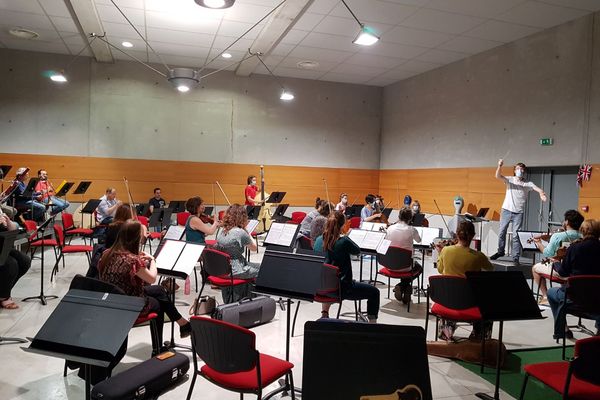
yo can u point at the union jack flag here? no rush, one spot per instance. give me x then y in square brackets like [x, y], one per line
[584, 174]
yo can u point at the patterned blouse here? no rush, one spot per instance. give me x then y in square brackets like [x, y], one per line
[121, 270]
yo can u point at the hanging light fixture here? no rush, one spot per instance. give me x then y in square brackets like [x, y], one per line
[215, 4]
[285, 95]
[59, 76]
[366, 36]
[183, 79]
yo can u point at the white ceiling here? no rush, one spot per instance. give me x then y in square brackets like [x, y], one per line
[416, 35]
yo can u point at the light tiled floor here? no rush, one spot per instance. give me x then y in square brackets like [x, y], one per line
[29, 376]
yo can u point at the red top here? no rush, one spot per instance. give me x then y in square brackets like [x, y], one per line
[44, 186]
[250, 192]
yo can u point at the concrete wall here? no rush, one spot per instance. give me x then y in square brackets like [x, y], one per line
[124, 110]
[499, 103]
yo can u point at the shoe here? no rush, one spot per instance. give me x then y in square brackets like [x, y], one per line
[543, 301]
[406, 294]
[496, 256]
[516, 262]
[568, 334]
[185, 330]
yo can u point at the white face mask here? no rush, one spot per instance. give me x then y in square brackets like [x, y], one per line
[519, 173]
[415, 209]
[253, 183]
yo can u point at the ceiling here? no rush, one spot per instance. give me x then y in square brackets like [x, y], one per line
[416, 35]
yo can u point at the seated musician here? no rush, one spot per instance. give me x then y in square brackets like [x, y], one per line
[46, 194]
[15, 266]
[156, 201]
[134, 271]
[317, 226]
[571, 225]
[416, 210]
[338, 249]
[27, 203]
[251, 191]
[581, 259]
[341, 206]
[457, 260]
[233, 240]
[195, 229]
[107, 207]
[367, 214]
[308, 219]
[402, 235]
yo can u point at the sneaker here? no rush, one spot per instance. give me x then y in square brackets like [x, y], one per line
[497, 256]
[185, 330]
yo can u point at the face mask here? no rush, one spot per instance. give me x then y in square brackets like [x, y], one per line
[253, 183]
[519, 173]
[415, 209]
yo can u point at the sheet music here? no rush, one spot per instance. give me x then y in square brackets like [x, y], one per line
[357, 236]
[188, 258]
[528, 236]
[168, 254]
[428, 235]
[281, 234]
[384, 246]
[175, 232]
[251, 226]
[367, 226]
[366, 240]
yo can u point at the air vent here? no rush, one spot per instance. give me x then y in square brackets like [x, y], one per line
[307, 64]
[23, 33]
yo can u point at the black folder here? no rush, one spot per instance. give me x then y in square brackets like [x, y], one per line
[82, 187]
[91, 206]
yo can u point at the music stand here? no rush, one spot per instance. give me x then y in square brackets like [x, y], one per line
[4, 170]
[253, 211]
[278, 215]
[90, 207]
[353, 211]
[87, 327]
[142, 209]
[64, 189]
[160, 218]
[495, 304]
[208, 210]
[177, 206]
[275, 197]
[82, 187]
[40, 235]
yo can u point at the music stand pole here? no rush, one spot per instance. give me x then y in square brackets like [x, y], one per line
[171, 344]
[41, 297]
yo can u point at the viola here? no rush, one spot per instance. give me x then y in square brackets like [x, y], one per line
[206, 219]
[13, 186]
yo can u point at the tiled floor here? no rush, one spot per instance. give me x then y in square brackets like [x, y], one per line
[29, 376]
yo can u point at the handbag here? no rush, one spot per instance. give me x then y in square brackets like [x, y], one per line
[203, 305]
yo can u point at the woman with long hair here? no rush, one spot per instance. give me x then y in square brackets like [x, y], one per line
[338, 249]
[317, 226]
[233, 240]
[134, 271]
[195, 229]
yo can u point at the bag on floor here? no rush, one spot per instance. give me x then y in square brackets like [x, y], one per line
[145, 380]
[247, 312]
[203, 305]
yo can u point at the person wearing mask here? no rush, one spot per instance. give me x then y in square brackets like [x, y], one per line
[16, 265]
[107, 207]
[251, 191]
[47, 195]
[571, 225]
[338, 249]
[367, 213]
[343, 204]
[517, 189]
[418, 218]
[156, 201]
[196, 230]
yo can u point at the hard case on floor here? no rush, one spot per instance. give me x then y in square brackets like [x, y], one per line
[247, 312]
[144, 381]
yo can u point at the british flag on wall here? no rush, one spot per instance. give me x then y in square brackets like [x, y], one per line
[584, 174]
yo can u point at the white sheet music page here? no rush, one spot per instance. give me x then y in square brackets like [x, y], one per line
[287, 235]
[366, 226]
[274, 233]
[168, 254]
[251, 225]
[384, 246]
[175, 232]
[188, 258]
[357, 236]
[372, 240]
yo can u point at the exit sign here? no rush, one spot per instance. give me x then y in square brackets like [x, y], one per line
[546, 141]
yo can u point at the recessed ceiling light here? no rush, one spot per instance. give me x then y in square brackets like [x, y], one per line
[215, 4]
[23, 33]
[226, 55]
[307, 64]
[127, 44]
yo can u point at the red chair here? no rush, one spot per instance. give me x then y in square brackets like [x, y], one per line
[298, 216]
[35, 242]
[182, 218]
[151, 235]
[71, 230]
[578, 379]
[553, 278]
[397, 259]
[221, 214]
[355, 223]
[216, 269]
[232, 361]
[67, 249]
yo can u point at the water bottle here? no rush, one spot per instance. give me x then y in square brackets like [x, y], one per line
[186, 289]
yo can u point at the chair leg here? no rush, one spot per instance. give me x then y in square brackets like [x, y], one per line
[65, 369]
[522, 394]
[426, 322]
[482, 352]
[339, 310]
[196, 278]
[389, 285]
[55, 268]
[292, 393]
[295, 316]
[355, 310]
[155, 339]
[189, 395]
[437, 327]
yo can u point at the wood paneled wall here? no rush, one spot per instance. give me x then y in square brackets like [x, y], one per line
[589, 194]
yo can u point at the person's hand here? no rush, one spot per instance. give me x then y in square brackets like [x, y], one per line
[537, 239]
[4, 220]
[378, 215]
[500, 162]
[119, 203]
[543, 197]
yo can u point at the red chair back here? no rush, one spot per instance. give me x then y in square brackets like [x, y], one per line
[396, 258]
[67, 221]
[298, 216]
[143, 220]
[182, 218]
[30, 226]
[215, 262]
[355, 222]
[330, 283]
[221, 214]
[586, 365]
[451, 291]
[305, 243]
[59, 234]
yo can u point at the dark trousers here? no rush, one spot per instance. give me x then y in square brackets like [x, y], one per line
[362, 291]
[160, 303]
[17, 264]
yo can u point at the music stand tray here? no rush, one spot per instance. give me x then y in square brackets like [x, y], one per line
[4, 170]
[91, 206]
[280, 211]
[82, 187]
[177, 206]
[142, 209]
[253, 211]
[275, 197]
[208, 210]
[30, 189]
[64, 189]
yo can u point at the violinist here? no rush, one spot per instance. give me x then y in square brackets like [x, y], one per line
[343, 204]
[368, 214]
[46, 194]
[308, 219]
[317, 226]
[195, 229]
[25, 202]
[251, 191]
[15, 266]
[156, 201]
[418, 218]
[570, 232]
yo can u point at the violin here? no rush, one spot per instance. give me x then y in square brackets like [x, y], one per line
[440, 244]
[207, 219]
[561, 252]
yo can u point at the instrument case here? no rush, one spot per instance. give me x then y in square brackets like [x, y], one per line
[247, 312]
[144, 381]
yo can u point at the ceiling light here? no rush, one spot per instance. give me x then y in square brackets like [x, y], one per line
[183, 79]
[286, 96]
[127, 44]
[215, 4]
[23, 33]
[307, 64]
[226, 55]
[366, 37]
[58, 77]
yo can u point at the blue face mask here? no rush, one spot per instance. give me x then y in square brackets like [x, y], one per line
[519, 173]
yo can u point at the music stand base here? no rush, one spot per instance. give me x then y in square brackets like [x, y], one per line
[284, 389]
[172, 345]
[12, 340]
[485, 396]
[41, 298]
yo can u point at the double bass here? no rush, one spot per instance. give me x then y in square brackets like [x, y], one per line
[265, 208]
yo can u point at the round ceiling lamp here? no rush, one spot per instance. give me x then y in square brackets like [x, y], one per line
[23, 33]
[183, 79]
[215, 4]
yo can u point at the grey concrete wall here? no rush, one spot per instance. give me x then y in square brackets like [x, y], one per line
[497, 103]
[124, 110]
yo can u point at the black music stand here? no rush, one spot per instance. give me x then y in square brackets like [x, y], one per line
[90, 207]
[82, 187]
[41, 235]
[160, 218]
[64, 189]
[142, 209]
[7, 242]
[275, 197]
[253, 211]
[208, 210]
[496, 304]
[87, 327]
[177, 206]
[4, 170]
[279, 214]
[353, 211]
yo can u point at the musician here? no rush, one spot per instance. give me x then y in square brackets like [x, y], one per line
[416, 211]
[305, 224]
[581, 259]
[343, 204]
[402, 235]
[107, 207]
[46, 194]
[39, 210]
[234, 240]
[8, 210]
[367, 213]
[251, 191]
[317, 226]
[195, 229]
[16, 265]
[338, 250]
[457, 260]
[571, 225]
[517, 189]
[156, 201]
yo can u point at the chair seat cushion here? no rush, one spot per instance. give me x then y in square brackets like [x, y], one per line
[145, 318]
[155, 235]
[226, 281]
[554, 374]
[321, 298]
[468, 314]
[44, 242]
[210, 242]
[79, 231]
[271, 369]
[399, 274]
[77, 248]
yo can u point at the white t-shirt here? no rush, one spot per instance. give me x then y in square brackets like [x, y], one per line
[402, 235]
[516, 193]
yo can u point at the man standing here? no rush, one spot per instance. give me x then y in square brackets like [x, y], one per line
[47, 195]
[517, 189]
[157, 201]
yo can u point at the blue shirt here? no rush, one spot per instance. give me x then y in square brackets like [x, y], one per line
[365, 213]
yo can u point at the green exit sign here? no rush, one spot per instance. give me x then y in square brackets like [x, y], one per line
[546, 141]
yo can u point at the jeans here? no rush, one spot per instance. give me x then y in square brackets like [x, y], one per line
[517, 222]
[16, 265]
[361, 291]
[58, 205]
[39, 210]
[556, 298]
